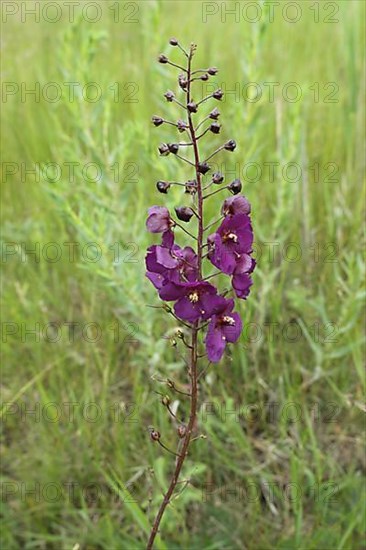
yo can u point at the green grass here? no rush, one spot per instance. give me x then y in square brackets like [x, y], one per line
[242, 474]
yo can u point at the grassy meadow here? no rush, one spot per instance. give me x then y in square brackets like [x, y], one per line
[283, 462]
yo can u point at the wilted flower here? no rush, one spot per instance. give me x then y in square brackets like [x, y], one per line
[236, 205]
[159, 220]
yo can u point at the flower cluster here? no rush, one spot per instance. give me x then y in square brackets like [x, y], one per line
[178, 273]
[174, 272]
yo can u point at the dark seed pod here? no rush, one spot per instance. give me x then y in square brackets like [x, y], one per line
[163, 186]
[217, 178]
[169, 96]
[184, 213]
[157, 120]
[215, 128]
[203, 168]
[155, 435]
[235, 187]
[173, 42]
[183, 82]
[215, 113]
[218, 94]
[181, 125]
[164, 149]
[192, 107]
[181, 431]
[191, 187]
[204, 77]
[173, 148]
[163, 58]
[230, 145]
[212, 71]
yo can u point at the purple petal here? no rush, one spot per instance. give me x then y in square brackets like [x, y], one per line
[164, 257]
[215, 342]
[232, 331]
[168, 239]
[241, 284]
[172, 291]
[156, 279]
[236, 205]
[186, 310]
[158, 219]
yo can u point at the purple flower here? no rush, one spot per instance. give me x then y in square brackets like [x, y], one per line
[197, 300]
[233, 238]
[236, 205]
[159, 220]
[171, 263]
[224, 327]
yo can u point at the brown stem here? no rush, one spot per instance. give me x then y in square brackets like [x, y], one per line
[194, 353]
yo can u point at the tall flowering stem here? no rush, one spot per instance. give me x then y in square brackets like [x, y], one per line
[177, 273]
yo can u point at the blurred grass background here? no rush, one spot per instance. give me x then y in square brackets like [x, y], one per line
[319, 452]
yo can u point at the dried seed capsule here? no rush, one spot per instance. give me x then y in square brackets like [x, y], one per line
[173, 42]
[184, 213]
[230, 145]
[164, 149]
[181, 125]
[155, 435]
[157, 120]
[235, 187]
[191, 187]
[215, 128]
[183, 82]
[204, 77]
[173, 148]
[215, 113]
[217, 178]
[212, 71]
[165, 400]
[163, 186]
[218, 94]
[169, 96]
[192, 107]
[181, 431]
[163, 58]
[203, 167]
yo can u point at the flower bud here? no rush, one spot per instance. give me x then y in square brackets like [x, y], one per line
[163, 186]
[179, 333]
[183, 82]
[181, 431]
[217, 178]
[155, 435]
[165, 400]
[212, 71]
[181, 125]
[218, 94]
[235, 187]
[204, 77]
[184, 213]
[203, 167]
[230, 145]
[173, 148]
[157, 120]
[192, 107]
[164, 149]
[215, 113]
[163, 58]
[191, 187]
[169, 96]
[173, 42]
[215, 128]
